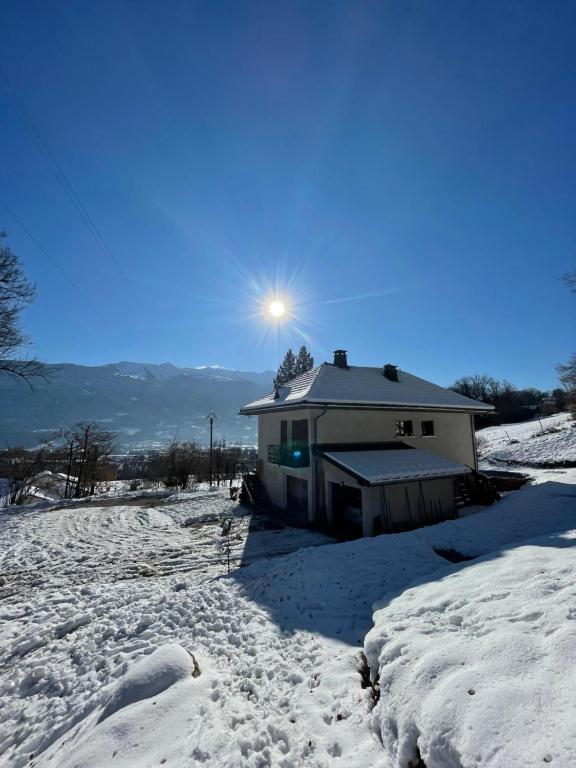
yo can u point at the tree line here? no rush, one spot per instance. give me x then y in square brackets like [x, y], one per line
[80, 462]
[510, 403]
[183, 465]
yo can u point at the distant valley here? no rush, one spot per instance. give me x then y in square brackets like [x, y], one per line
[145, 406]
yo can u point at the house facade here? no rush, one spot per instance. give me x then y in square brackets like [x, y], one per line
[365, 450]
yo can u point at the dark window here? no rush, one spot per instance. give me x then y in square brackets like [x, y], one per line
[427, 429]
[283, 432]
[404, 429]
[273, 454]
[300, 432]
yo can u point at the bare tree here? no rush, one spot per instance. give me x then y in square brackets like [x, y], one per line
[567, 376]
[15, 294]
[570, 280]
[567, 371]
[182, 460]
[93, 447]
[68, 450]
[22, 476]
[83, 455]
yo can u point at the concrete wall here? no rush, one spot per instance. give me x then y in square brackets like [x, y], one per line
[453, 438]
[273, 476]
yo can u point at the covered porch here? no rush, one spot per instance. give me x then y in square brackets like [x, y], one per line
[368, 492]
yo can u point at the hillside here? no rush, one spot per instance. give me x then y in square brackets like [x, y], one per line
[544, 443]
[102, 601]
[143, 404]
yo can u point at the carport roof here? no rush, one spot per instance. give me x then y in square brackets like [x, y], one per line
[381, 467]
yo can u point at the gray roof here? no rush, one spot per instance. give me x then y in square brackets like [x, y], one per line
[328, 384]
[381, 467]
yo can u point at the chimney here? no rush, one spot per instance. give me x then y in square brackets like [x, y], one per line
[340, 359]
[391, 372]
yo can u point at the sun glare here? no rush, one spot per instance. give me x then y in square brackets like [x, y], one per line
[277, 309]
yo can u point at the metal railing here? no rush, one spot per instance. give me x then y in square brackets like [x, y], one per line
[293, 455]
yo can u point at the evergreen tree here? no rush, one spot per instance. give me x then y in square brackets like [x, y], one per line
[293, 365]
[286, 370]
[304, 361]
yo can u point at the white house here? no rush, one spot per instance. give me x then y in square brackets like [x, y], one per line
[365, 450]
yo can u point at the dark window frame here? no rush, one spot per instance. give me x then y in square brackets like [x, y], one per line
[428, 431]
[402, 428]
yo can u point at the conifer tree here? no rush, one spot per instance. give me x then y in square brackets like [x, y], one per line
[304, 361]
[293, 365]
[286, 370]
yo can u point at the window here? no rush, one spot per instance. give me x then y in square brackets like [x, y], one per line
[427, 429]
[404, 429]
[300, 432]
[273, 454]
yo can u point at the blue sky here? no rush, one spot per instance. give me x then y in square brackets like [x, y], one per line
[402, 174]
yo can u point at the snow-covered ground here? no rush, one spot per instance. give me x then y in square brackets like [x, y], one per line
[547, 442]
[137, 536]
[104, 601]
[478, 667]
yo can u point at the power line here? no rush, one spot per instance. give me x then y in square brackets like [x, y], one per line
[41, 248]
[63, 180]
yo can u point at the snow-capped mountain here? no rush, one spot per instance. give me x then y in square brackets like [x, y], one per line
[143, 404]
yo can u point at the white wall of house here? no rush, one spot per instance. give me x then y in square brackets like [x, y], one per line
[272, 475]
[453, 438]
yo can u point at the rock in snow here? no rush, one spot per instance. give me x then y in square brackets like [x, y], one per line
[151, 675]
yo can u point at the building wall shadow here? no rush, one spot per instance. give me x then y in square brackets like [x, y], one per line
[331, 590]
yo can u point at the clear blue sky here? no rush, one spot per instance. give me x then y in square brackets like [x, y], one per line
[417, 159]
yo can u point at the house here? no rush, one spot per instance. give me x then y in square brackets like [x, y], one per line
[365, 450]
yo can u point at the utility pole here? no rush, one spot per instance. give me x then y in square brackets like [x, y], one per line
[211, 416]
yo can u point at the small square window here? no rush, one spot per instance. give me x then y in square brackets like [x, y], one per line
[427, 429]
[404, 429]
[273, 454]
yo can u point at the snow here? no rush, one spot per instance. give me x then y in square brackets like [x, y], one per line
[377, 467]
[478, 668]
[150, 676]
[141, 535]
[363, 385]
[103, 601]
[545, 442]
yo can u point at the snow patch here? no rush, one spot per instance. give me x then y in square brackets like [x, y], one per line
[150, 676]
[478, 668]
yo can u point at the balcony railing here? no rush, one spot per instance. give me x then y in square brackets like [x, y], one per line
[292, 455]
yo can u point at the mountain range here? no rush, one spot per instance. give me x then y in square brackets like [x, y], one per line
[145, 406]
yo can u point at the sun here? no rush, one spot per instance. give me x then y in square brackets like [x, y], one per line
[277, 308]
